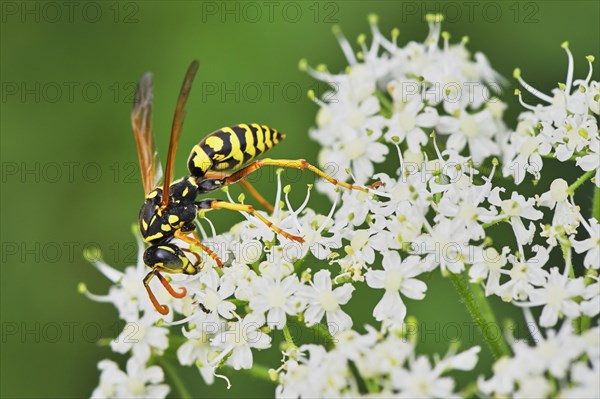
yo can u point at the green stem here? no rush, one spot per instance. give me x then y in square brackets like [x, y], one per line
[478, 306]
[299, 263]
[386, 104]
[259, 371]
[584, 322]
[322, 334]
[288, 336]
[179, 385]
[565, 247]
[494, 222]
[582, 179]
[371, 385]
[596, 204]
[470, 390]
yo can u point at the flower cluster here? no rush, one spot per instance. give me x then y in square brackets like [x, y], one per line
[563, 128]
[532, 369]
[385, 363]
[433, 107]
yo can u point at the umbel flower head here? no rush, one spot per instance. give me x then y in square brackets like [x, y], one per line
[564, 126]
[429, 109]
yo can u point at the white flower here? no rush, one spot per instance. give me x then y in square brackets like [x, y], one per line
[320, 235]
[128, 294]
[360, 248]
[565, 126]
[198, 350]
[137, 382]
[463, 205]
[396, 278]
[590, 306]
[239, 339]
[517, 208]
[566, 216]
[141, 338]
[408, 123]
[422, 381]
[276, 298]
[591, 161]
[524, 274]
[109, 374]
[528, 157]
[323, 300]
[591, 246]
[447, 245]
[487, 263]
[475, 130]
[557, 296]
[585, 381]
[213, 294]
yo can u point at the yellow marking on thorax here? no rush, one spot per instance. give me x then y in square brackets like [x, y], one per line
[214, 142]
[185, 191]
[260, 144]
[165, 227]
[152, 194]
[154, 236]
[144, 225]
[250, 149]
[173, 219]
[201, 159]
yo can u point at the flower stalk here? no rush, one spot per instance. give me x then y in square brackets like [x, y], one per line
[473, 297]
[178, 383]
[582, 179]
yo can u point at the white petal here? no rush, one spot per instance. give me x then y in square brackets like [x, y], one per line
[338, 321]
[375, 278]
[343, 293]
[276, 318]
[313, 315]
[322, 280]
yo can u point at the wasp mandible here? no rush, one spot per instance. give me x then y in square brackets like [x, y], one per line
[165, 217]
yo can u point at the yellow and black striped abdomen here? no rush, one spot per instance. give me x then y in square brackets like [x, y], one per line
[231, 147]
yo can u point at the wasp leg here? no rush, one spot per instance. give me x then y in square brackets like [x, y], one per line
[162, 309]
[253, 192]
[216, 180]
[287, 163]
[195, 241]
[182, 293]
[215, 204]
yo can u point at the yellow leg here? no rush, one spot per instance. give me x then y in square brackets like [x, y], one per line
[214, 204]
[288, 163]
[196, 241]
[246, 184]
[253, 192]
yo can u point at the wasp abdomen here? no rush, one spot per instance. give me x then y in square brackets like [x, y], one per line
[231, 147]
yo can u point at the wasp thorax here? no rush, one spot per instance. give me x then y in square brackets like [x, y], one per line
[159, 224]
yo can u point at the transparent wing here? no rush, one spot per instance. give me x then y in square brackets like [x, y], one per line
[141, 120]
[176, 127]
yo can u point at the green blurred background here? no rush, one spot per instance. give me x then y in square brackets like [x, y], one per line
[69, 175]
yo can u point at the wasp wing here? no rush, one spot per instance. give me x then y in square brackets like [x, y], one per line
[176, 127]
[141, 120]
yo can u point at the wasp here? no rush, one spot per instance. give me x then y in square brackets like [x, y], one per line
[170, 209]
